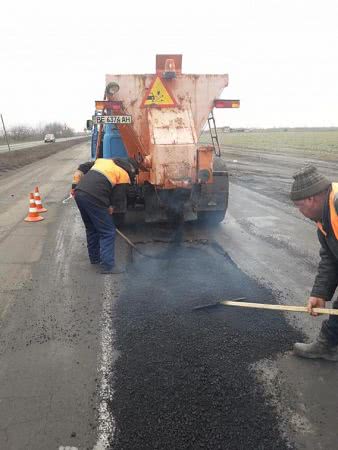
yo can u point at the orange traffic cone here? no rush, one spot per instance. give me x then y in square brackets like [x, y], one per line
[38, 202]
[33, 215]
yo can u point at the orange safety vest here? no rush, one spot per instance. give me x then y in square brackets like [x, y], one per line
[333, 212]
[114, 173]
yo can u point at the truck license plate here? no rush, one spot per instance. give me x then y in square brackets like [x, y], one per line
[112, 119]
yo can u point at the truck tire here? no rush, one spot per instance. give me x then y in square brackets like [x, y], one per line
[211, 217]
[219, 164]
[119, 219]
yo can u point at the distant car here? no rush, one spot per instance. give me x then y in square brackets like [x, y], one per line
[49, 138]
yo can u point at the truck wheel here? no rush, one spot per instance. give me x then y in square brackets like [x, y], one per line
[219, 164]
[119, 219]
[211, 217]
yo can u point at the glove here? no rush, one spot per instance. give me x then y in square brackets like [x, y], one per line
[315, 302]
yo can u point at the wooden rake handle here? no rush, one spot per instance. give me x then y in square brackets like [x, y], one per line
[279, 307]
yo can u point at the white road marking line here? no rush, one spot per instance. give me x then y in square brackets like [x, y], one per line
[68, 448]
[106, 422]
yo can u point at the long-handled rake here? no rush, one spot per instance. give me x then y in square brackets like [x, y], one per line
[239, 303]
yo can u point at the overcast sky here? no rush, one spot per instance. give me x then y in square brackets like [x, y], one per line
[281, 55]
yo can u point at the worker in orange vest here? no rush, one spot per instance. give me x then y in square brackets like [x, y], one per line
[317, 199]
[96, 186]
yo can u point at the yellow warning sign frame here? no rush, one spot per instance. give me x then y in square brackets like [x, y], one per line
[162, 98]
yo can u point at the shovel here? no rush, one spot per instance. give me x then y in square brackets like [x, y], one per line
[237, 302]
[215, 305]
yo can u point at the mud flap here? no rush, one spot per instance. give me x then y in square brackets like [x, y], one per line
[161, 206]
[213, 199]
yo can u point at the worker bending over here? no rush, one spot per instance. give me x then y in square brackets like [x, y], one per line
[96, 188]
[317, 199]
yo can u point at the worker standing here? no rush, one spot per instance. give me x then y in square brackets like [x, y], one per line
[96, 187]
[317, 199]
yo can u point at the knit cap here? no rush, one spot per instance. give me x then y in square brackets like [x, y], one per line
[308, 182]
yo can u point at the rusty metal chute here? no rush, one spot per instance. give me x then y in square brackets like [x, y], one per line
[168, 135]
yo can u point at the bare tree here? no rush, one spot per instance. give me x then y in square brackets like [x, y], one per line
[59, 129]
[21, 133]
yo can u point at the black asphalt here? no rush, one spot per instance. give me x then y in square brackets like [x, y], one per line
[184, 379]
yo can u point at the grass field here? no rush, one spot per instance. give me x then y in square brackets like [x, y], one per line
[309, 142]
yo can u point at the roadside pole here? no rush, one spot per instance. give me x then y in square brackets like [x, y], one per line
[3, 124]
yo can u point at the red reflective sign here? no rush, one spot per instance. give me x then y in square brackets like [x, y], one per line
[106, 104]
[219, 103]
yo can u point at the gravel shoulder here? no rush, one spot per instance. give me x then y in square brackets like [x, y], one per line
[19, 158]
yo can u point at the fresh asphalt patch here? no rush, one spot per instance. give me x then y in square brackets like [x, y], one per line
[183, 378]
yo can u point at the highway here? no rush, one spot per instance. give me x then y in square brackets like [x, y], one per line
[91, 361]
[27, 145]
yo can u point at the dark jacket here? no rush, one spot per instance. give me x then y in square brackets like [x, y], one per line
[101, 191]
[327, 277]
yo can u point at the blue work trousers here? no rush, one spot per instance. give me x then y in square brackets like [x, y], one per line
[100, 230]
[330, 326]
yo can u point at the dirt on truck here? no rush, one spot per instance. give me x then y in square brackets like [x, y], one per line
[157, 119]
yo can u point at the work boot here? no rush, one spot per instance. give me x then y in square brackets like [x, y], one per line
[112, 270]
[320, 348]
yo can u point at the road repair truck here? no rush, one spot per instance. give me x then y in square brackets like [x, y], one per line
[157, 119]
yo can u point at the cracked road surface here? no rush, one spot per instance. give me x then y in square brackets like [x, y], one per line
[92, 362]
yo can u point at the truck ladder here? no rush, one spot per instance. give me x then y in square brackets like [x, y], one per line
[213, 134]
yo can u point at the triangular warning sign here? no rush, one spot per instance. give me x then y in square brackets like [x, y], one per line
[159, 95]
